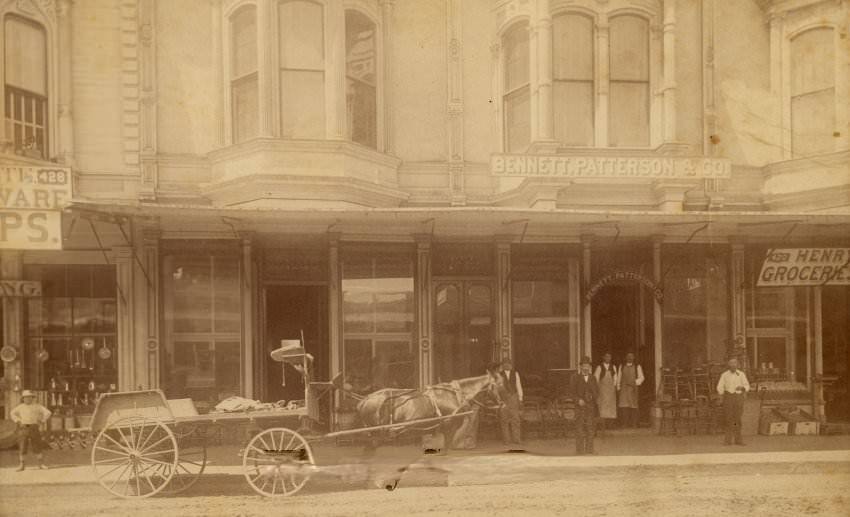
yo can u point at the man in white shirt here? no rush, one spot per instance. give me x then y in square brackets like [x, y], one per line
[509, 415]
[732, 386]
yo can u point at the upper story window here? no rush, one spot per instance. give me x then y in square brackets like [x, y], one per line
[283, 75]
[573, 79]
[25, 64]
[361, 73]
[629, 82]
[243, 74]
[812, 92]
[516, 99]
[302, 69]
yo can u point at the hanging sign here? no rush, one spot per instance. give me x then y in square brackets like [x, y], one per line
[31, 203]
[619, 276]
[805, 266]
[19, 288]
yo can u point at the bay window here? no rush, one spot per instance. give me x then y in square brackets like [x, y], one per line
[572, 74]
[302, 69]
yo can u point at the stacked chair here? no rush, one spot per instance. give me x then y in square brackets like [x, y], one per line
[687, 400]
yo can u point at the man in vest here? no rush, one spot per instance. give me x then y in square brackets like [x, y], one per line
[585, 391]
[509, 414]
[733, 386]
[629, 378]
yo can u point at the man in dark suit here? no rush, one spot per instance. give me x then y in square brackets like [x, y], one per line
[585, 393]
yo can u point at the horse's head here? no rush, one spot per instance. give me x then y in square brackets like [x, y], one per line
[490, 390]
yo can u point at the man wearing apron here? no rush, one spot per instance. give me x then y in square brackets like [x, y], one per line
[629, 377]
[606, 376]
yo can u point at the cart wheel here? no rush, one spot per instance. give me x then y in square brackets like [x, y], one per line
[191, 461]
[134, 457]
[277, 462]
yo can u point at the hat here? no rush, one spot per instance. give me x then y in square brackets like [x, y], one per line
[27, 393]
[585, 360]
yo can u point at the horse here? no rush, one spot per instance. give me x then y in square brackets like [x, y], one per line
[394, 405]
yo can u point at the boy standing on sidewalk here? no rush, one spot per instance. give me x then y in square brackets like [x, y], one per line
[29, 415]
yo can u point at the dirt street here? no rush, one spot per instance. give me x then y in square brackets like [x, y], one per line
[753, 489]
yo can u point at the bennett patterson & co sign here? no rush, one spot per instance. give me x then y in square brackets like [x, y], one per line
[805, 266]
[554, 166]
[31, 200]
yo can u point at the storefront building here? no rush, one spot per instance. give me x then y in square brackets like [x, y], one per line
[420, 189]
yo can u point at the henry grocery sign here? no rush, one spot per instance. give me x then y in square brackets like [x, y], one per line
[805, 266]
[31, 201]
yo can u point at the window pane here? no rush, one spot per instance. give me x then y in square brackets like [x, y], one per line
[244, 33]
[245, 108]
[301, 36]
[813, 121]
[517, 120]
[573, 106]
[360, 70]
[358, 365]
[394, 365]
[516, 57]
[26, 55]
[190, 285]
[629, 119]
[629, 47]
[228, 300]
[572, 38]
[812, 61]
[302, 101]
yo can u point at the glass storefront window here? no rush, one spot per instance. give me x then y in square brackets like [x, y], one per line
[779, 338]
[202, 327]
[696, 305]
[71, 334]
[378, 321]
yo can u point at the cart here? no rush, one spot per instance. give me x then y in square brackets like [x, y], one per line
[148, 445]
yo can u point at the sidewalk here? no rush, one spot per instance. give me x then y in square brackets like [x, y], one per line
[489, 463]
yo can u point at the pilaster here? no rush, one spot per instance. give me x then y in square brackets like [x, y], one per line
[739, 315]
[146, 304]
[12, 268]
[248, 296]
[658, 344]
[388, 82]
[147, 115]
[603, 81]
[503, 296]
[122, 257]
[334, 308]
[335, 106]
[669, 86]
[541, 26]
[266, 68]
[65, 147]
[130, 87]
[424, 304]
[454, 74]
[586, 243]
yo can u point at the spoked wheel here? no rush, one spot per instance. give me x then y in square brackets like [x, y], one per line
[191, 461]
[134, 457]
[278, 462]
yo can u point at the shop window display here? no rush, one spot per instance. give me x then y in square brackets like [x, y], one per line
[202, 328]
[71, 336]
[378, 316]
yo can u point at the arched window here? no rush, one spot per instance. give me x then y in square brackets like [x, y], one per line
[26, 86]
[361, 66]
[812, 92]
[572, 74]
[516, 98]
[629, 87]
[243, 74]
[302, 69]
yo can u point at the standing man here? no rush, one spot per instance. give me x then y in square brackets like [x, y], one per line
[629, 377]
[606, 376]
[29, 415]
[586, 392]
[509, 414]
[732, 386]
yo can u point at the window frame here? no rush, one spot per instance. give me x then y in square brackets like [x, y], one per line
[525, 88]
[49, 99]
[232, 79]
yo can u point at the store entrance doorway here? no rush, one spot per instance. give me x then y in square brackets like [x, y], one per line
[290, 310]
[463, 328]
[622, 322]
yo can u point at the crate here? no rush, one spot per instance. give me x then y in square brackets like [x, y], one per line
[799, 422]
[772, 424]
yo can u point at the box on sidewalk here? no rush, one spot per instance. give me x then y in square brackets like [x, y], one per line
[772, 424]
[799, 422]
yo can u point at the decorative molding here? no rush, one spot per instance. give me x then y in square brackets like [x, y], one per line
[148, 99]
[130, 83]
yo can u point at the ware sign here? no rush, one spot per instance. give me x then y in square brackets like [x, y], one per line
[805, 266]
[31, 202]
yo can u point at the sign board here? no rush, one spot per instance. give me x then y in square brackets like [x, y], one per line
[19, 288]
[654, 167]
[619, 276]
[31, 200]
[805, 266]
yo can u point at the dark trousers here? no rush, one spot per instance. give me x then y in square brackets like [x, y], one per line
[733, 409]
[628, 416]
[509, 417]
[585, 423]
[29, 438]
